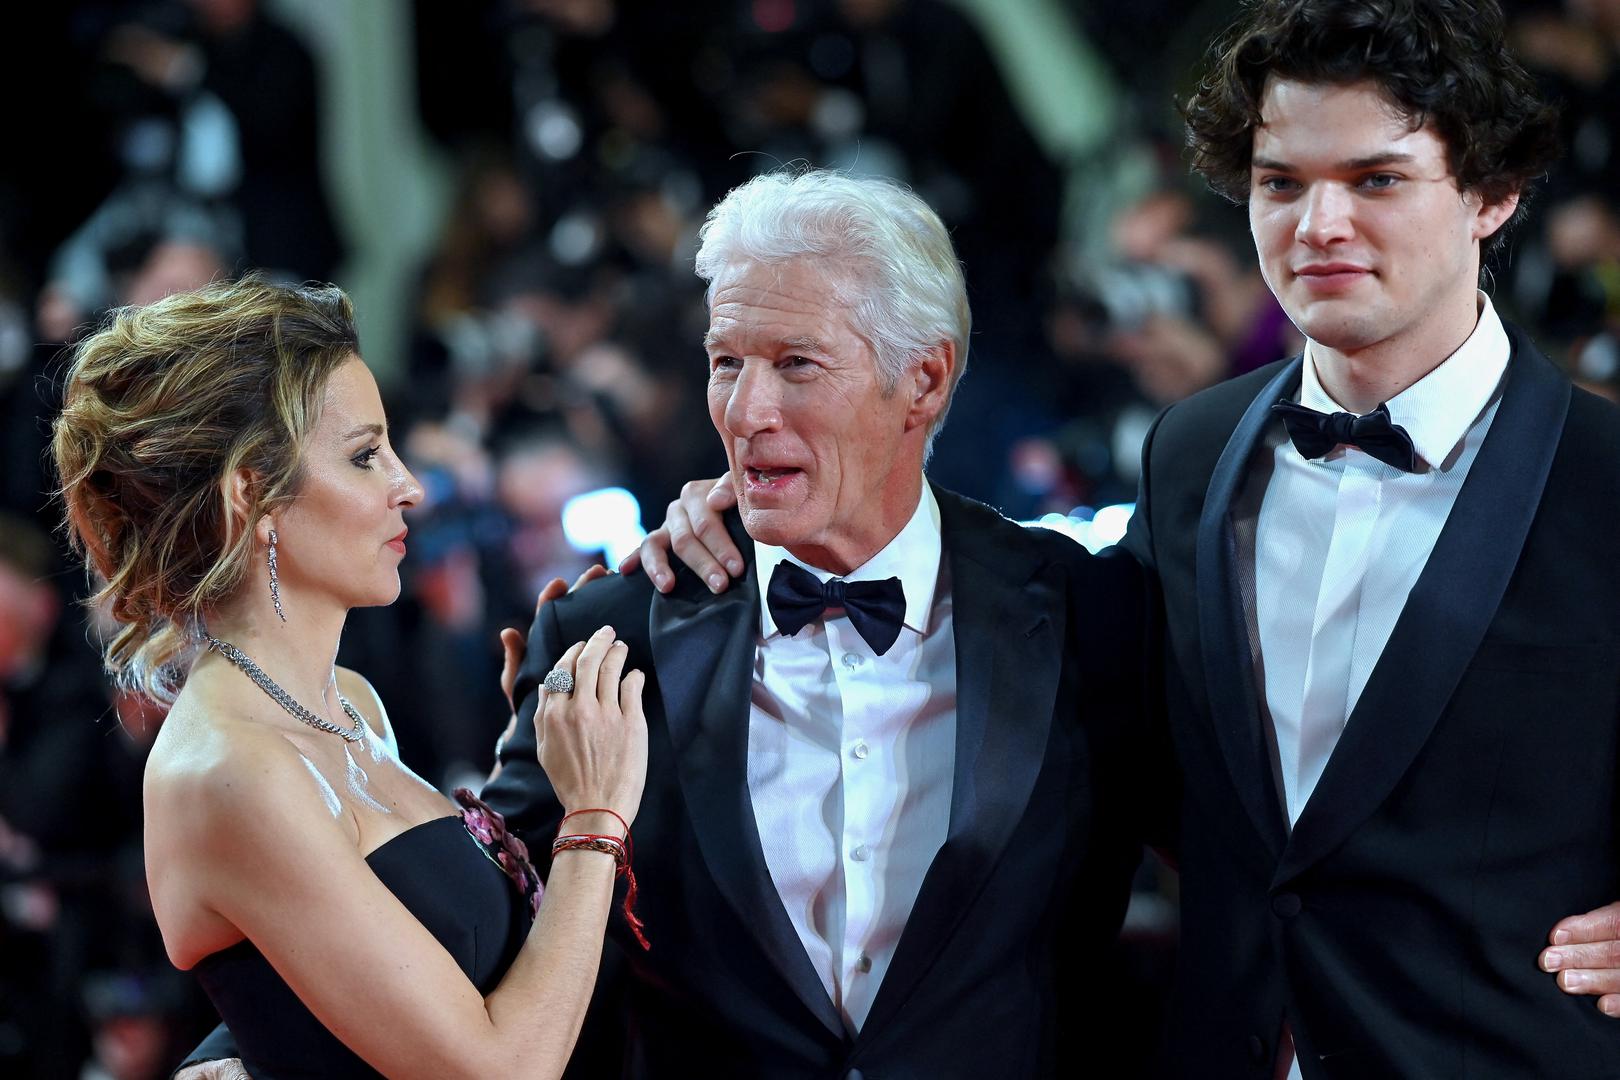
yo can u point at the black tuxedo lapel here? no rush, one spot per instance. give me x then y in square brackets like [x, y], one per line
[1447, 613]
[703, 646]
[1009, 628]
[1222, 628]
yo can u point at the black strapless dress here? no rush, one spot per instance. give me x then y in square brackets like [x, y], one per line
[467, 881]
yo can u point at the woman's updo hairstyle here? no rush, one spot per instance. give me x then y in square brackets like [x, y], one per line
[162, 405]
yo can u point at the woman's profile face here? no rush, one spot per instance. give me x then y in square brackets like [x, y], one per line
[344, 535]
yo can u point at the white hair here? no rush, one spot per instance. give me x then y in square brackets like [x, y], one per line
[890, 250]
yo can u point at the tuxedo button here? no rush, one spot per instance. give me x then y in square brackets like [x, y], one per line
[859, 751]
[863, 964]
[861, 853]
[1257, 1050]
[852, 660]
[1286, 905]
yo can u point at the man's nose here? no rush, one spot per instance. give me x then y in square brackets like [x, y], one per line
[755, 403]
[1325, 215]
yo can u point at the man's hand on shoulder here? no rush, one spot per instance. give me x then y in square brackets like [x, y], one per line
[1585, 954]
[694, 528]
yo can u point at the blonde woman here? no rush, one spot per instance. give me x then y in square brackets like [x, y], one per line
[226, 468]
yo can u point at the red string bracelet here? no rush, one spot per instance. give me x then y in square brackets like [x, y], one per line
[624, 867]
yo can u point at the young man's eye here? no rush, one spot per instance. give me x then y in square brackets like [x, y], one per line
[363, 458]
[1380, 181]
[1276, 185]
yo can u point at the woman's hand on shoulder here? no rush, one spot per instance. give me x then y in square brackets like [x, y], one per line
[593, 739]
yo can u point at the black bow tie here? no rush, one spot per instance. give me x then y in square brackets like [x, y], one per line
[876, 608]
[1315, 433]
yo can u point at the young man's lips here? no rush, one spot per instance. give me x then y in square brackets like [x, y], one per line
[1329, 270]
[1331, 275]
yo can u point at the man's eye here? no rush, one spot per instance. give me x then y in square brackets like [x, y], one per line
[1380, 181]
[363, 458]
[1277, 185]
[722, 363]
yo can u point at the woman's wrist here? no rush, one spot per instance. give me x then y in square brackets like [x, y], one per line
[597, 822]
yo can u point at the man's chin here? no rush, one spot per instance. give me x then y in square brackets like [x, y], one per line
[777, 526]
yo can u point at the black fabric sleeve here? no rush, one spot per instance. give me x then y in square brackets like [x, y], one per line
[520, 791]
[219, 1045]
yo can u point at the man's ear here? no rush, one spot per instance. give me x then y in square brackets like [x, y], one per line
[930, 384]
[1492, 216]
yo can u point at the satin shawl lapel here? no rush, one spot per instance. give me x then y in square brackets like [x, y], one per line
[1008, 612]
[1223, 637]
[1447, 613]
[703, 646]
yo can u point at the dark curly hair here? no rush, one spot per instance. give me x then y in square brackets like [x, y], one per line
[1441, 62]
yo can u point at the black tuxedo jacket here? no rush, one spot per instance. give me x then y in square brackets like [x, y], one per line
[1471, 801]
[1023, 898]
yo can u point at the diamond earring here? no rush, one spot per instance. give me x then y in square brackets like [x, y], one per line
[275, 583]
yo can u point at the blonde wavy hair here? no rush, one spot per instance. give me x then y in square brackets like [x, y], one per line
[162, 406]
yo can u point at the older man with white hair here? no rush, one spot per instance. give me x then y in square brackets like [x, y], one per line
[877, 834]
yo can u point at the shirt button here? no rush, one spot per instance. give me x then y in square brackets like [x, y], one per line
[861, 853]
[859, 751]
[852, 660]
[863, 964]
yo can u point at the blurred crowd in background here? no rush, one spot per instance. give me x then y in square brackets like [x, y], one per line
[548, 344]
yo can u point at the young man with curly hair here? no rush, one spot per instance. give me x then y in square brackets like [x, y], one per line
[1390, 591]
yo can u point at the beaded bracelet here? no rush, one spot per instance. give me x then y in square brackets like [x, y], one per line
[622, 852]
[608, 845]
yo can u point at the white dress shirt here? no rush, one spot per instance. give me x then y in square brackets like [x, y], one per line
[1341, 540]
[850, 762]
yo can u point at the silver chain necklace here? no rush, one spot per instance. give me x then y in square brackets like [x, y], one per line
[285, 700]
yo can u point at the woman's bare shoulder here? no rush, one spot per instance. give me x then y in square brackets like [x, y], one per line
[218, 762]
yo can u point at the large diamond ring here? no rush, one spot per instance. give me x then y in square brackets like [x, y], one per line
[559, 681]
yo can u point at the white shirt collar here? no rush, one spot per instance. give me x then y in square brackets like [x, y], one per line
[1439, 408]
[912, 556]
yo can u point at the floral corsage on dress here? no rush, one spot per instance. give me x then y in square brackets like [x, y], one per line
[503, 849]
